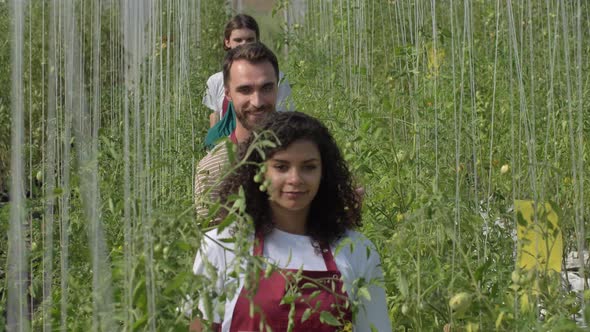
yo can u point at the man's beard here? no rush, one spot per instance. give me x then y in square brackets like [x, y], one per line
[242, 116]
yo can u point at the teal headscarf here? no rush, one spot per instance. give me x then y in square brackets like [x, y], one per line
[221, 129]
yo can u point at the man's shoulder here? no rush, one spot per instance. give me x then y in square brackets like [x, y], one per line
[214, 158]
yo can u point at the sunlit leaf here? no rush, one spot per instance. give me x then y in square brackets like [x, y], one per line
[306, 314]
[327, 318]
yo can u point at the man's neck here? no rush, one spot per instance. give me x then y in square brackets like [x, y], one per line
[242, 134]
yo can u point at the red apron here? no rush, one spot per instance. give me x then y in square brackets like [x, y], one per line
[267, 300]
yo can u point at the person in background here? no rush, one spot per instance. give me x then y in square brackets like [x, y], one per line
[240, 30]
[306, 208]
[250, 75]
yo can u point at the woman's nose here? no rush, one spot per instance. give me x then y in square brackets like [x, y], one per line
[295, 176]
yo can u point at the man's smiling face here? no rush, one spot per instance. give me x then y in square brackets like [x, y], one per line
[253, 88]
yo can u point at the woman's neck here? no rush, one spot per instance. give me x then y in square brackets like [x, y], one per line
[294, 222]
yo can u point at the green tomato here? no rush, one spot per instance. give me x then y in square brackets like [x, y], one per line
[258, 178]
[515, 277]
[504, 169]
[421, 305]
[401, 156]
[405, 309]
[460, 302]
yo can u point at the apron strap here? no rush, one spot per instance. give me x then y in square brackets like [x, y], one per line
[325, 249]
[224, 106]
[258, 244]
[233, 137]
[328, 258]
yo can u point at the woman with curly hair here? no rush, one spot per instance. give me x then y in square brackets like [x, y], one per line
[321, 275]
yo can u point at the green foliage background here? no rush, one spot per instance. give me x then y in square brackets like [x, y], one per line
[427, 114]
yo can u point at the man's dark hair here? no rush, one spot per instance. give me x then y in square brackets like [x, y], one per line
[254, 53]
[240, 21]
[336, 206]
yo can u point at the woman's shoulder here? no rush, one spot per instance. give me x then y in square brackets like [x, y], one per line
[223, 240]
[216, 236]
[355, 246]
[215, 247]
[215, 79]
[357, 237]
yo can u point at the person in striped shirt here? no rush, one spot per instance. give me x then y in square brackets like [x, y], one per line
[250, 76]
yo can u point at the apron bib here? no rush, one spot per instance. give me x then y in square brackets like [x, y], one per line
[319, 290]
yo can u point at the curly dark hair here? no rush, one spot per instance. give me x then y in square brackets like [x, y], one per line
[336, 206]
[240, 21]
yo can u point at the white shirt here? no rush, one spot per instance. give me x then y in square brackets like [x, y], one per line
[356, 258]
[213, 98]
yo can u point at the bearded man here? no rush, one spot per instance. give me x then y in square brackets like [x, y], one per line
[250, 77]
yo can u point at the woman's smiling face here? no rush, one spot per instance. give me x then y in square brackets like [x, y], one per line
[295, 174]
[240, 37]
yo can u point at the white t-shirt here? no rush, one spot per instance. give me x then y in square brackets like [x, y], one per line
[213, 98]
[356, 258]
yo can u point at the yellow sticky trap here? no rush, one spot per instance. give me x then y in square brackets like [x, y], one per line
[540, 243]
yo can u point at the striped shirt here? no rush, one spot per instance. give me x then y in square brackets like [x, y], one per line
[208, 178]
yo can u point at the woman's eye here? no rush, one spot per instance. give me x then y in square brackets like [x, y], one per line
[310, 167]
[280, 168]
